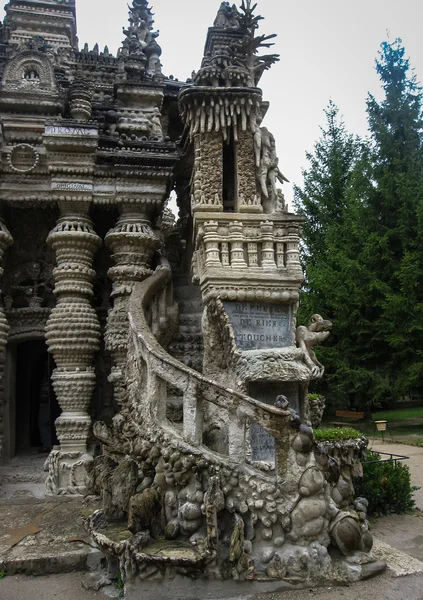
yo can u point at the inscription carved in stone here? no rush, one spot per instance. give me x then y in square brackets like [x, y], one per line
[262, 444]
[72, 186]
[78, 131]
[258, 326]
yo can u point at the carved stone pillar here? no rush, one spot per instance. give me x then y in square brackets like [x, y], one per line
[73, 336]
[132, 243]
[5, 241]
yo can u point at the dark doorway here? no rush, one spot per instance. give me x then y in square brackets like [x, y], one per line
[230, 183]
[36, 404]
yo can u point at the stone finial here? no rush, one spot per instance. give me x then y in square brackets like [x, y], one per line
[231, 57]
[140, 40]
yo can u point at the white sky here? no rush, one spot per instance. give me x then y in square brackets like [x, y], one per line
[327, 49]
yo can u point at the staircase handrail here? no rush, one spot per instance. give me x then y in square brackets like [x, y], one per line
[239, 405]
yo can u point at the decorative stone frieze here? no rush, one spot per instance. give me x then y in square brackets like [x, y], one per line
[224, 110]
[261, 257]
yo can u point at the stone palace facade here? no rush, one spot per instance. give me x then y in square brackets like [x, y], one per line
[159, 362]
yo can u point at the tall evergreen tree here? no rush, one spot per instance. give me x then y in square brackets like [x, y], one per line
[393, 249]
[322, 198]
[364, 243]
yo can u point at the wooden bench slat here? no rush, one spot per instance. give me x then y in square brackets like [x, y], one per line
[349, 414]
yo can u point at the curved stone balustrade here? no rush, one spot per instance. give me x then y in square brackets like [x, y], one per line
[197, 390]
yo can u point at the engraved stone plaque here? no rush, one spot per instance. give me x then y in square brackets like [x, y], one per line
[72, 186]
[262, 444]
[77, 131]
[260, 325]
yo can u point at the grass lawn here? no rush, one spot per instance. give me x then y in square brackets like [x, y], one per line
[405, 424]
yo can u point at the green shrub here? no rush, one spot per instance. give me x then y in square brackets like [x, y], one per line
[335, 434]
[315, 396]
[386, 485]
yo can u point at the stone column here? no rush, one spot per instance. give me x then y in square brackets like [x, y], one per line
[132, 243]
[73, 337]
[5, 241]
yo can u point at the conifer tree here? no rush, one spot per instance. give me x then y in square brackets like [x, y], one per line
[393, 249]
[363, 250]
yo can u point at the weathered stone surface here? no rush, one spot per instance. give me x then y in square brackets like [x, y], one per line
[213, 476]
[144, 512]
[260, 325]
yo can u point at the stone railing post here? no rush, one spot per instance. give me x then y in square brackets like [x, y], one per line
[236, 437]
[193, 415]
[73, 337]
[132, 243]
[268, 248]
[211, 244]
[237, 245]
[5, 241]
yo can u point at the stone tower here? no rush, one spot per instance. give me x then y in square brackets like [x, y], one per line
[214, 472]
[246, 255]
[53, 20]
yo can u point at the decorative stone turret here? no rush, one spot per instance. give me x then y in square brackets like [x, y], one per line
[140, 50]
[53, 19]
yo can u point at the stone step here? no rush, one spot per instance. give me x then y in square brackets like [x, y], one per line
[190, 328]
[181, 280]
[188, 338]
[45, 536]
[24, 469]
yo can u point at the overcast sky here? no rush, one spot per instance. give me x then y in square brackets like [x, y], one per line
[327, 49]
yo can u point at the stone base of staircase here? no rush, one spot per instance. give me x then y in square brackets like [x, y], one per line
[44, 536]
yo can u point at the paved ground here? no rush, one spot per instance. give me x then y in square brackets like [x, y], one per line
[384, 587]
[39, 536]
[68, 587]
[51, 587]
[415, 464]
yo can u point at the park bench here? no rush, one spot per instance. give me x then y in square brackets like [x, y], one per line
[352, 416]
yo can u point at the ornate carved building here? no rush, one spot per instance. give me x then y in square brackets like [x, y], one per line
[88, 160]
[173, 352]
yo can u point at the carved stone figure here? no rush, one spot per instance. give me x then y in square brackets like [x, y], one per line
[156, 130]
[307, 337]
[268, 171]
[317, 405]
